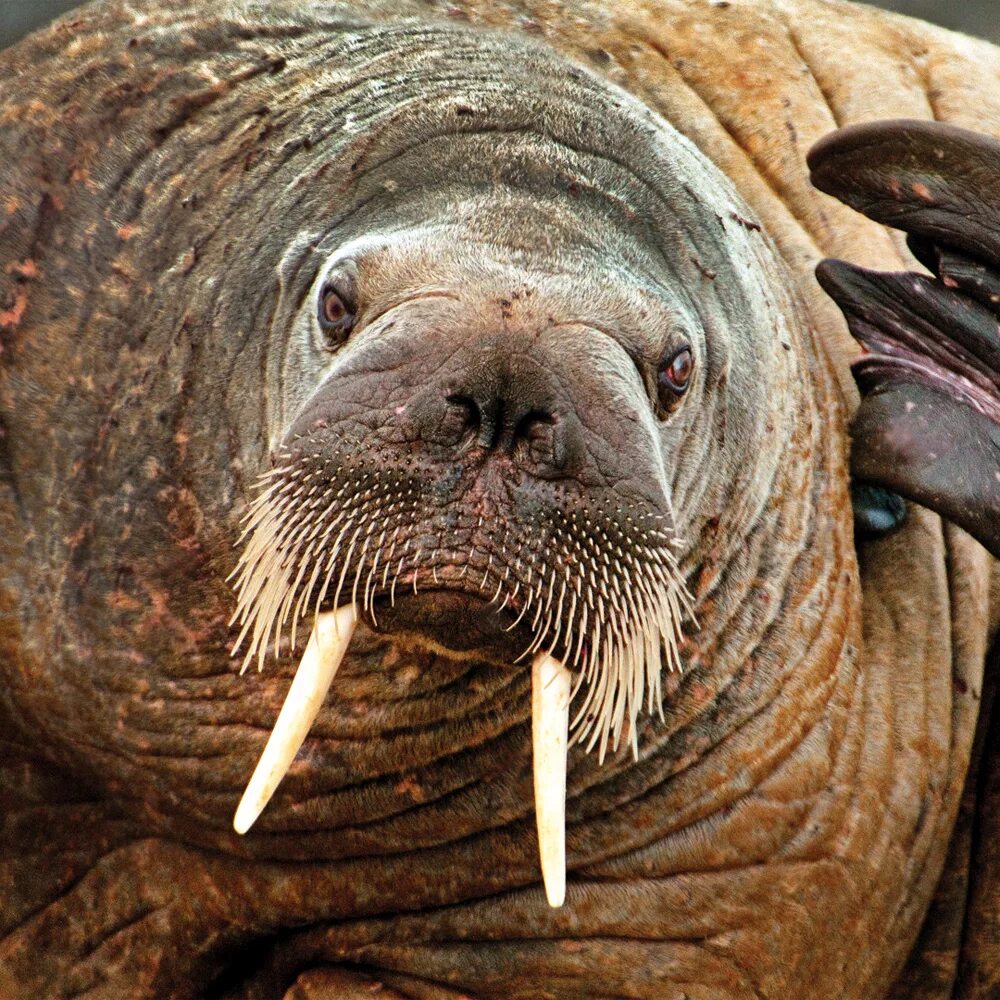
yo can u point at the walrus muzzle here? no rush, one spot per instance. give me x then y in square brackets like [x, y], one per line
[476, 490]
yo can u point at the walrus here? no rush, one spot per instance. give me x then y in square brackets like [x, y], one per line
[470, 359]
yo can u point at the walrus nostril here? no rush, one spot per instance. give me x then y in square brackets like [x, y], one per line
[534, 424]
[537, 433]
[462, 414]
[459, 423]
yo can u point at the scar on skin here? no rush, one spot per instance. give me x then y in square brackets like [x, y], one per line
[26, 269]
[12, 316]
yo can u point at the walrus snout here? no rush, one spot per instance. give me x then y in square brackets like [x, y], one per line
[484, 479]
[497, 495]
[496, 400]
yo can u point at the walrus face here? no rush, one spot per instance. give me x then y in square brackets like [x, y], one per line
[477, 468]
[504, 419]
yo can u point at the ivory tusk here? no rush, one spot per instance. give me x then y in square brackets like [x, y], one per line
[325, 650]
[551, 683]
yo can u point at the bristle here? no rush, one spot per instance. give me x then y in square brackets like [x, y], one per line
[599, 588]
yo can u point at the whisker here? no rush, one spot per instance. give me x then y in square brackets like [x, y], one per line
[599, 588]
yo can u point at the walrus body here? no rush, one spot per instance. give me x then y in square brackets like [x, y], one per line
[500, 192]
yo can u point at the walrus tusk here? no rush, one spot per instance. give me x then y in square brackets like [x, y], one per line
[330, 637]
[550, 691]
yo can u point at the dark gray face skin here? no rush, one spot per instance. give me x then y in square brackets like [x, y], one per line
[500, 394]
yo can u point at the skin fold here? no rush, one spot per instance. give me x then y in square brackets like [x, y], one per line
[929, 427]
[536, 204]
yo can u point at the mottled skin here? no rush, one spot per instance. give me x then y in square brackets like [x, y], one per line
[170, 178]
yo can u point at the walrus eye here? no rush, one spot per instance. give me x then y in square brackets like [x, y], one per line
[674, 376]
[336, 315]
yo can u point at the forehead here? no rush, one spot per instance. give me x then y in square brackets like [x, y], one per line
[559, 214]
[563, 280]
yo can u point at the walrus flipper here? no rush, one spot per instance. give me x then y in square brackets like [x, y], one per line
[929, 424]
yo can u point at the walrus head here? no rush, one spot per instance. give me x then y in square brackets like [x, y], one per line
[515, 348]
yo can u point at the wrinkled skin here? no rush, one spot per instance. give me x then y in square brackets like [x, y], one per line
[531, 239]
[929, 427]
